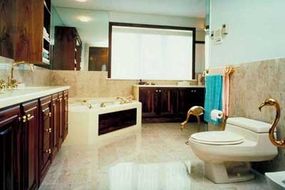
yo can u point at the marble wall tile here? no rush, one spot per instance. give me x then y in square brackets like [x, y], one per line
[23, 74]
[251, 84]
[95, 83]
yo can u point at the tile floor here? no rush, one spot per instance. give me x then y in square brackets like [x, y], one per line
[157, 154]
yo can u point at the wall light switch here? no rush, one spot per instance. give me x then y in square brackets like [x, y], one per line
[218, 37]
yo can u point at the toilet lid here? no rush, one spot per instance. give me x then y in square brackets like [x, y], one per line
[217, 138]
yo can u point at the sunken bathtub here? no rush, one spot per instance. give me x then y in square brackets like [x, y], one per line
[95, 120]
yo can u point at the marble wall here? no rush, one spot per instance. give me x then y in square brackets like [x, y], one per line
[38, 77]
[95, 83]
[251, 84]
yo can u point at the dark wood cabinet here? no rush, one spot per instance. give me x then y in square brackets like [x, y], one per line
[11, 157]
[58, 118]
[45, 136]
[161, 104]
[30, 120]
[55, 124]
[158, 104]
[21, 29]
[6, 28]
[28, 140]
[67, 49]
[64, 114]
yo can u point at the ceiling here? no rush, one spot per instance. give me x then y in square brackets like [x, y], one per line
[187, 8]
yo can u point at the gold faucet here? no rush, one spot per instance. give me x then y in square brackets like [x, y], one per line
[273, 102]
[12, 83]
[2, 85]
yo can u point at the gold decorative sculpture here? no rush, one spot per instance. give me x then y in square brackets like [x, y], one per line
[272, 102]
[194, 110]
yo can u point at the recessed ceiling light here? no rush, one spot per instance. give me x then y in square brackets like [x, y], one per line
[84, 18]
[81, 1]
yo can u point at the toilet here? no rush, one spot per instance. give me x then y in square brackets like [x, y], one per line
[227, 154]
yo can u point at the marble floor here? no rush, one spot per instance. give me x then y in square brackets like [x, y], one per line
[156, 158]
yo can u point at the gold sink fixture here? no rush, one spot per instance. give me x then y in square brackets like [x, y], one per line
[273, 102]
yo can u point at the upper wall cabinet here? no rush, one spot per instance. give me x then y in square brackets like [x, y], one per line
[24, 30]
[6, 25]
[67, 49]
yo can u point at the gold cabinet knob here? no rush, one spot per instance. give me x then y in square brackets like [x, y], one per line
[49, 130]
[48, 151]
[24, 119]
[49, 114]
[29, 117]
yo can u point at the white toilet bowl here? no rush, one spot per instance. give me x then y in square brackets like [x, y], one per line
[227, 153]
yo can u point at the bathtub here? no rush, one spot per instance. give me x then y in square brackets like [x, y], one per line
[93, 121]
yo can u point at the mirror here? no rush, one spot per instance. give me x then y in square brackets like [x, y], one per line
[93, 25]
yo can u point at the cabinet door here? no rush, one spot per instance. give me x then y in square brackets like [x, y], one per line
[28, 35]
[148, 98]
[6, 28]
[45, 137]
[55, 124]
[189, 97]
[64, 114]
[10, 148]
[165, 101]
[30, 123]
[67, 49]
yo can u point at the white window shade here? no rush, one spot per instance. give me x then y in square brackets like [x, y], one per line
[149, 53]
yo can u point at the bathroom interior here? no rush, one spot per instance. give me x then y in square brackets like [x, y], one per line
[95, 94]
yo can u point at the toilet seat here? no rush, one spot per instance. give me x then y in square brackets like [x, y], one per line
[217, 138]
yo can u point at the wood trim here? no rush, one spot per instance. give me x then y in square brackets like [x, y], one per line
[199, 42]
[111, 24]
[42, 65]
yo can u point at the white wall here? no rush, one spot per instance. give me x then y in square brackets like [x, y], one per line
[256, 31]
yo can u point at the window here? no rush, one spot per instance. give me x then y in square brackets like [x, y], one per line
[151, 52]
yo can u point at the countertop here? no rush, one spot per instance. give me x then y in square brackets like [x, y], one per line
[19, 95]
[169, 86]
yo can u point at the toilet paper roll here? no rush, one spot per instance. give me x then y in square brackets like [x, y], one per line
[216, 114]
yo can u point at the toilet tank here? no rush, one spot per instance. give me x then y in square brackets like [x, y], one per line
[248, 128]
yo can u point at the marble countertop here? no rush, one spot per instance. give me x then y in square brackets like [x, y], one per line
[170, 86]
[19, 95]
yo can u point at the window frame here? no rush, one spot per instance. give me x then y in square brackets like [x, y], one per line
[111, 24]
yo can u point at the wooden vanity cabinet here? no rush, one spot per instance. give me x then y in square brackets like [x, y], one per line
[45, 136]
[30, 119]
[161, 104]
[11, 153]
[29, 139]
[158, 104]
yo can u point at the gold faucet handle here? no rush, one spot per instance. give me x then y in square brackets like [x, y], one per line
[13, 83]
[2, 84]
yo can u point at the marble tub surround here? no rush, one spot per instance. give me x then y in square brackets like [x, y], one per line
[250, 85]
[158, 146]
[84, 120]
[96, 84]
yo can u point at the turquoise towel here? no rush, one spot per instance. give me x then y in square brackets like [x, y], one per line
[213, 96]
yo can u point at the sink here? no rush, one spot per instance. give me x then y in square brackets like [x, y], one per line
[276, 180]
